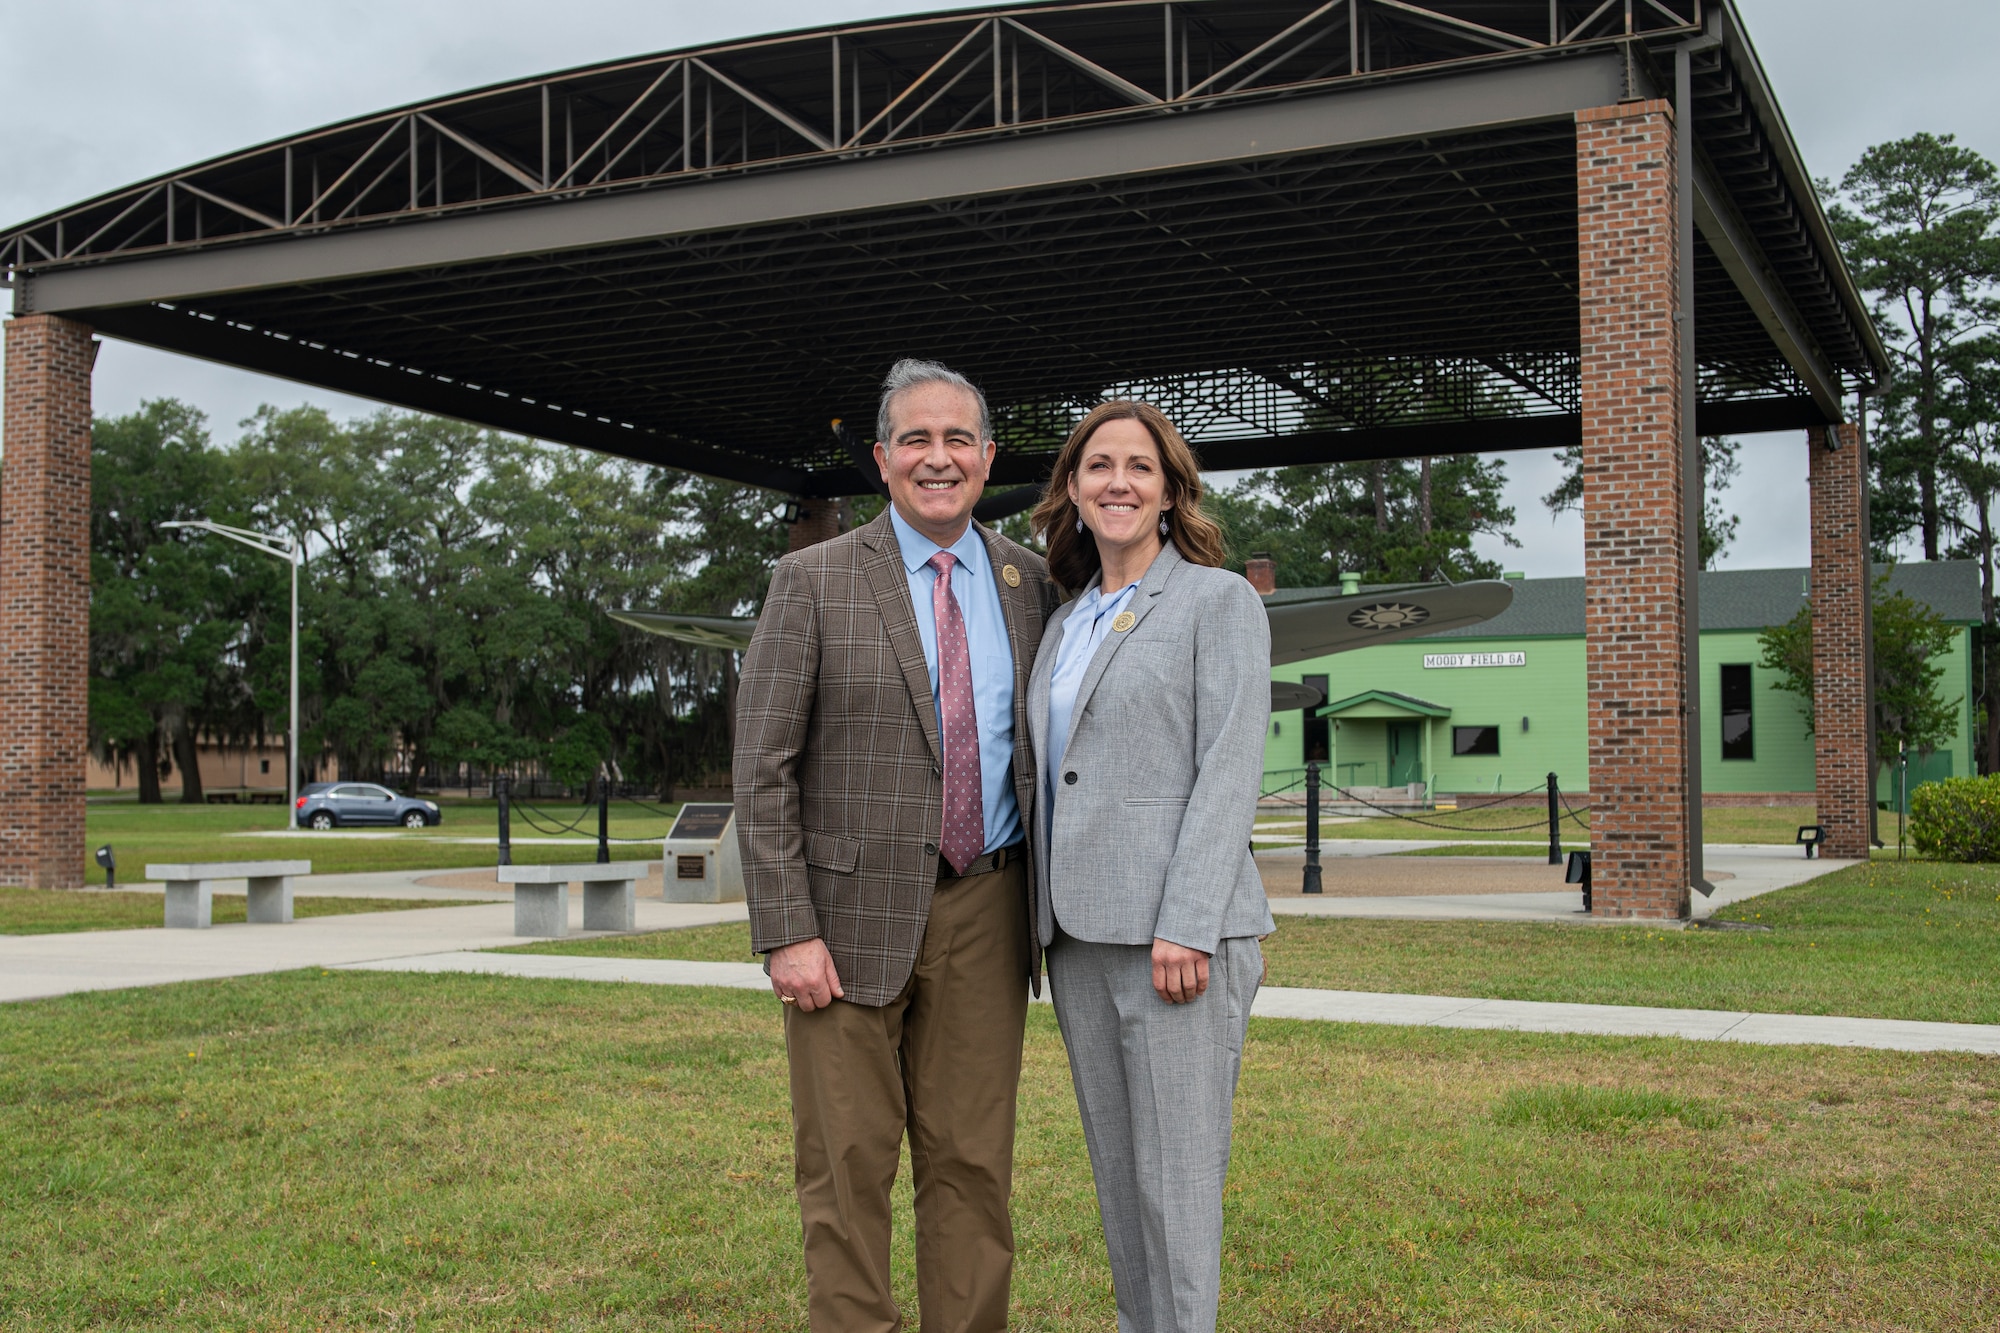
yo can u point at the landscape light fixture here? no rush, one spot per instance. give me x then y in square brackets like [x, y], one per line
[1578, 872]
[109, 860]
[286, 549]
[1810, 837]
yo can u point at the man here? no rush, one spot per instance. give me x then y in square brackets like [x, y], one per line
[883, 780]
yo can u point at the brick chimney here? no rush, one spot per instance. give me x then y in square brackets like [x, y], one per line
[1262, 571]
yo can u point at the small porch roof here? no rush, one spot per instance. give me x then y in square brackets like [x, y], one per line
[1381, 704]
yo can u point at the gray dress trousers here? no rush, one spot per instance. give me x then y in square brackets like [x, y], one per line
[1154, 1083]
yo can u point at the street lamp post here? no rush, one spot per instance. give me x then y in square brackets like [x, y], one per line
[286, 549]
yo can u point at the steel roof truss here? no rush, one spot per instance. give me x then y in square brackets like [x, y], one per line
[1745, 265]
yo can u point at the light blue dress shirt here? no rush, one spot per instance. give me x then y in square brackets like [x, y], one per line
[1082, 633]
[992, 662]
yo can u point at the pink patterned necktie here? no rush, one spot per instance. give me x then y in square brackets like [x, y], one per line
[958, 724]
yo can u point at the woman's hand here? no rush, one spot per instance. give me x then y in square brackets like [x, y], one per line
[1180, 974]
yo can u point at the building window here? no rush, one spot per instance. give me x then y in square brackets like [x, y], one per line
[1314, 742]
[263, 766]
[1737, 736]
[1475, 740]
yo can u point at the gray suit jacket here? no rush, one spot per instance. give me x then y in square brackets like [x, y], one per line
[1148, 833]
[839, 793]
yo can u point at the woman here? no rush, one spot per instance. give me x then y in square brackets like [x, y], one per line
[1147, 709]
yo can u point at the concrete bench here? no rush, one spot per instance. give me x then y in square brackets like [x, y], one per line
[541, 896]
[191, 889]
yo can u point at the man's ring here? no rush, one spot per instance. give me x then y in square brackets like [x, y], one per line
[789, 999]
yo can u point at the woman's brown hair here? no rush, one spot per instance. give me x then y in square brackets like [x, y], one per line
[1073, 558]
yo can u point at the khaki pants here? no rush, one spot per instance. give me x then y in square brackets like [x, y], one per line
[942, 1060]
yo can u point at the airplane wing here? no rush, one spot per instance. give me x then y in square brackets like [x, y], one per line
[1301, 628]
[1319, 626]
[727, 632]
[1289, 696]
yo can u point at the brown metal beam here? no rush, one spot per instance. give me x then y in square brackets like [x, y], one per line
[1346, 116]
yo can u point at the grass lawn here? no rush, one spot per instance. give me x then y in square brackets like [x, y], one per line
[728, 943]
[1916, 941]
[1911, 941]
[379, 1151]
[160, 833]
[55, 911]
[1719, 823]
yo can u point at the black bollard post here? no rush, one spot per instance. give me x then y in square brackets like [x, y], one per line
[1555, 826]
[1902, 794]
[603, 819]
[506, 841]
[1312, 884]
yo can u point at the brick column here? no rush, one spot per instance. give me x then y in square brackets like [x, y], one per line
[45, 602]
[1843, 741]
[1262, 571]
[819, 520]
[1634, 534]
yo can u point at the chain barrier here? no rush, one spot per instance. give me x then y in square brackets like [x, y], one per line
[1540, 823]
[529, 812]
[653, 809]
[529, 818]
[1501, 800]
[1279, 791]
[1432, 823]
[1449, 828]
[552, 829]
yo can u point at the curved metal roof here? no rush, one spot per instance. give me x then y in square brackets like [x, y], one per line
[1340, 229]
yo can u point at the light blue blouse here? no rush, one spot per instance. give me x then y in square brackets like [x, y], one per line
[1082, 633]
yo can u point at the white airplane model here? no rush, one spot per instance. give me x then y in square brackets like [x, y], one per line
[1301, 626]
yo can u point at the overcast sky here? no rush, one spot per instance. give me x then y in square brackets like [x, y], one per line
[101, 93]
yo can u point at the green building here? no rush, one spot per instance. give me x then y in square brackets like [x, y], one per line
[1497, 707]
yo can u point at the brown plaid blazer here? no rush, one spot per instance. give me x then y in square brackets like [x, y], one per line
[838, 767]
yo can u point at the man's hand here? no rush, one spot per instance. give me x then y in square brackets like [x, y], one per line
[804, 973]
[1180, 974]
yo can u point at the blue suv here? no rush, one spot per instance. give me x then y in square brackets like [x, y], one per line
[325, 805]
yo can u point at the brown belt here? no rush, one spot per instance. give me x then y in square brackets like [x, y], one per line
[997, 859]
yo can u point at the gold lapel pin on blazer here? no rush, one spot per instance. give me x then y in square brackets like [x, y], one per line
[1011, 576]
[1123, 621]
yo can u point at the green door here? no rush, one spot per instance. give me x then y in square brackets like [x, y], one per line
[1406, 753]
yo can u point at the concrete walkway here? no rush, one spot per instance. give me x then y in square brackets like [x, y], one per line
[453, 939]
[36, 966]
[1328, 1006]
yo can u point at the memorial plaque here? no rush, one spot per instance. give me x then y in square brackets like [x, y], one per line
[702, 821]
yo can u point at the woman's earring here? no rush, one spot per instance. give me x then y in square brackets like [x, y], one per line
[1163, 525]
[1079, 525]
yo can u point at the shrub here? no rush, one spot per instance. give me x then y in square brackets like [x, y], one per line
[1957, 819]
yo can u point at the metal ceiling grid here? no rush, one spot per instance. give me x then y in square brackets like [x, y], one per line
[1447, 250]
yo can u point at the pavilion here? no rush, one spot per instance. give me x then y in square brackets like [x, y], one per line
[1309, 231]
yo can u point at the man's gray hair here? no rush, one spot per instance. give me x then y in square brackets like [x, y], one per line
[911, 373]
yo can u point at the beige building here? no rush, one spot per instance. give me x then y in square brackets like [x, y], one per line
[237, 772]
